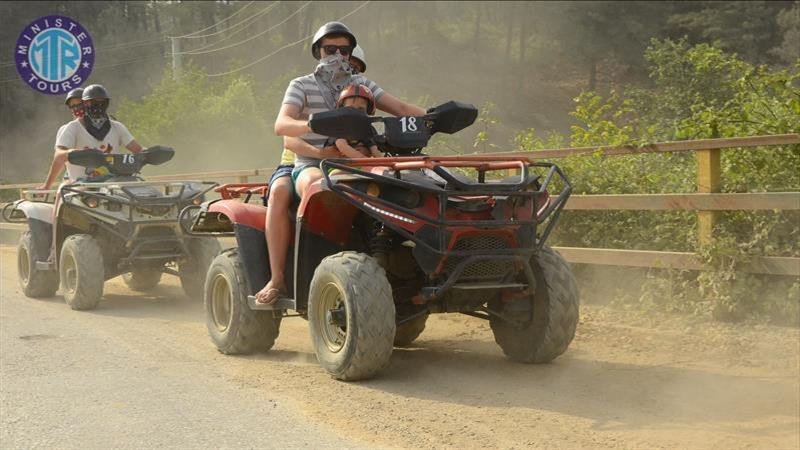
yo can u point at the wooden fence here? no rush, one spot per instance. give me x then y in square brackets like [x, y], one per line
[706, 202]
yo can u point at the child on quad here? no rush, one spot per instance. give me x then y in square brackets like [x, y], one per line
[359, 97]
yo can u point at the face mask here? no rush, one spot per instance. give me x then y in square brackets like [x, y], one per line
[335, 71]
[96, 121]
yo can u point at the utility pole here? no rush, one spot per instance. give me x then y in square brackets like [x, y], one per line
[176, 57]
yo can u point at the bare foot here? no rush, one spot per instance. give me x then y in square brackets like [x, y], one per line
[269, 294]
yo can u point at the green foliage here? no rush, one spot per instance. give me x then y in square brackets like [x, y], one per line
[697, 92]
[192, 102]
[202, 116]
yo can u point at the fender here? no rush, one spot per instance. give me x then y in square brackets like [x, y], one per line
[43, 212]
[236, 212]
[326, 214]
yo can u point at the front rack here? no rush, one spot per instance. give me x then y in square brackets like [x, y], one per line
[543, 205]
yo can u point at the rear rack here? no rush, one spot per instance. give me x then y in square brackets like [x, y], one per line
[236, 190]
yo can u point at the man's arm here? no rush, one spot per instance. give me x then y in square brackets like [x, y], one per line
[59, 161]
[134, 146]
[396, 107]
[288, 123]
[303, 148]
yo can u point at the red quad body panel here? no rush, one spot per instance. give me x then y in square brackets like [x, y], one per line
[253, 216]
[324, 213]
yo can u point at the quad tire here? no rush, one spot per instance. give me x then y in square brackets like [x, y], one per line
[235, 328]
[554, 306]
[409, 331]
[81, 271]
[142, 279]
[351, 316]
[192, 272]
[35, 283]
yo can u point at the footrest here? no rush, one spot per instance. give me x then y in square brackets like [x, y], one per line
[45, 265]
[283, 303]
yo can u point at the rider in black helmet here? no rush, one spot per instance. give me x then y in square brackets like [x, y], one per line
[332, 46]
[74, 102]
[94, 129]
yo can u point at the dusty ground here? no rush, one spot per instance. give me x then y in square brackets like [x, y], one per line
[141, 372]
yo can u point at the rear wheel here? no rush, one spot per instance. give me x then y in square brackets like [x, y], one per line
[142, 279]
[351, 316]
[35, 283]
[192, 271]
[409, 331]
[232, 325]
[81, 270]
[554, 308]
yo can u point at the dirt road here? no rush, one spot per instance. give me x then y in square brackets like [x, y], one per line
[141, 372]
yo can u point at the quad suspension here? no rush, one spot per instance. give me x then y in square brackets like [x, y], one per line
[380, 243]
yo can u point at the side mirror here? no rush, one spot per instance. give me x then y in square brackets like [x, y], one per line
[87, 158]
[453, 116]
[158, 155]
[347, 123]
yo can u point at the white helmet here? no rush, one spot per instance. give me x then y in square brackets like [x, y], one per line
[358, 53]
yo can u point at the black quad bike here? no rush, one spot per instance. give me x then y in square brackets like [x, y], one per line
[91, 231]
[381, 243]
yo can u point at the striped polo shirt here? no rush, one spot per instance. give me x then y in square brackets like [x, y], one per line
[306, 93]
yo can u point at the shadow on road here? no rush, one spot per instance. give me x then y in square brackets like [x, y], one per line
[615, 395]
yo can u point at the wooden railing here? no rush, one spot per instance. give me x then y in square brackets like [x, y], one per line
[706, 202]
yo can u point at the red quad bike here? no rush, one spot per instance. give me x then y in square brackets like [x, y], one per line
[381, 243]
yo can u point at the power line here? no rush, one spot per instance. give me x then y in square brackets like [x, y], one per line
[161, 55]
[204, 47]
[285, 46]
[246, 19]
[120, 46]
[214, 24]
[106, 66]
[248, 39]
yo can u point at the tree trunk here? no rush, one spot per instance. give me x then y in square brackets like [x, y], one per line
[510, 31]
[478, 14]
[592, 73]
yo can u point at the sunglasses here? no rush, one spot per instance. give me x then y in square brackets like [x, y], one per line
[343, 49]
[76, 106]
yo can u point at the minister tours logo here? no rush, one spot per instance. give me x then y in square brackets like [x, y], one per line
[54, 54]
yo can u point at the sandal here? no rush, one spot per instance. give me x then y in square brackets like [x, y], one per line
[273, 294]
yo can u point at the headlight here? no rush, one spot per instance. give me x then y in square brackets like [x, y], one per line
[91, 202]
[197, 201]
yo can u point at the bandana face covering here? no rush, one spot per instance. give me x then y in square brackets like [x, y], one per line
[334, 71]
[96, 121]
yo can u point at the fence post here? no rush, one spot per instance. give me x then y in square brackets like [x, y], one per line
[709, 180]
[241, 179]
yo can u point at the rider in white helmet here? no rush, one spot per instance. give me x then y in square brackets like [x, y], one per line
[358, 61]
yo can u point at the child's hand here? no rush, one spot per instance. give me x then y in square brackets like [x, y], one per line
[375, 152]
[347, 150]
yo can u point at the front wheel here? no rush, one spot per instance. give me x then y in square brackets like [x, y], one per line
[82, 272]
[232, 325]
[554, 310]
[351, 316]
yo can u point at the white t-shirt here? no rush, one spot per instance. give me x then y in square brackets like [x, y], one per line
[74, 135]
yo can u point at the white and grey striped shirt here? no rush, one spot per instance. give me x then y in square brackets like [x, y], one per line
[306, 93]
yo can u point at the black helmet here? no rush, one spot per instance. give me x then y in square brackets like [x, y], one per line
[94, 91]
[75, 93]
[330, 28]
